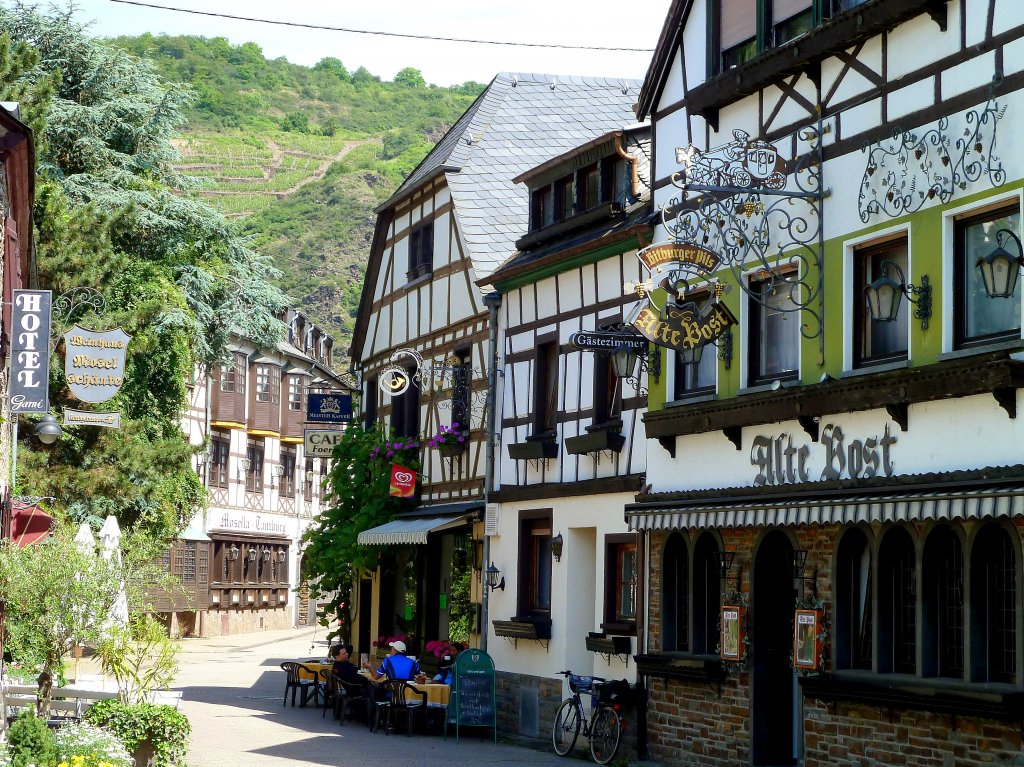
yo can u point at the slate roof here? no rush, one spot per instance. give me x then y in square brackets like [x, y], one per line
[519, 122]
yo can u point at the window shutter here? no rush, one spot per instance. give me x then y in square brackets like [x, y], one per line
[491, 519]
[738, 22]
[787, 9]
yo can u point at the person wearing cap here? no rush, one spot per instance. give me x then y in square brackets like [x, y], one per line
[397, 665]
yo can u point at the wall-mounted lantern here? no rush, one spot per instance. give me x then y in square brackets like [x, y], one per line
[884, 293]
[252, 553]
[282, 555]
[624, 359]
[556, 547]
[244, 464]
[48, 430]
[1000, 268]
[233, 552]
[493, 573]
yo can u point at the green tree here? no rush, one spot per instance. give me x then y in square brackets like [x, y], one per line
[411, 78]
[56, 594]
[114, 214]
[333, 66]
[359, 497]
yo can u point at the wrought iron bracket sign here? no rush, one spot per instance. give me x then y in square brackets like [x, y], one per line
[756, 213]
[94, 362]
[912, 168]
[450, 376]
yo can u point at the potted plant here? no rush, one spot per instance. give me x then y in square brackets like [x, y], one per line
[449, 441]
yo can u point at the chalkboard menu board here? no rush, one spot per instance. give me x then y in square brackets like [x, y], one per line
[472, 701]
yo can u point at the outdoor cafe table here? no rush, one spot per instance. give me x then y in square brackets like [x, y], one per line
[315, 665]
[438, 694]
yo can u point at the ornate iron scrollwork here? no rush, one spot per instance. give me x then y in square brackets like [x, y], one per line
[70, 305]
[911, 169]
[448, 377]
[761, 215]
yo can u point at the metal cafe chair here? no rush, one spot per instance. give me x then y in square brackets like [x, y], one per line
[309, 686]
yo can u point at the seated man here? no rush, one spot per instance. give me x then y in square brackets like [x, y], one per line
[343, 666]
[397, 665]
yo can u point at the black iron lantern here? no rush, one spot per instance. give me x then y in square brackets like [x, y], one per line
[556, 547]
[884, 293]
[493, 573]
[725, 560]
[624, 359]
[692, 355]
[1000, 269]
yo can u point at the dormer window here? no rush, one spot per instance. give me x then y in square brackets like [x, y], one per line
[790, 19]
[737, 31]
[590, 187]
[564, 198]
[542, 209]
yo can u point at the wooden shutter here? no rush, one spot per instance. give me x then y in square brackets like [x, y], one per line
[738, 20]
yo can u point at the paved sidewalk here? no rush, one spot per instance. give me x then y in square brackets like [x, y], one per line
[232, 689]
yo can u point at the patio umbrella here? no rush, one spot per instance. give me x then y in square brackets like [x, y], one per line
[110, 548]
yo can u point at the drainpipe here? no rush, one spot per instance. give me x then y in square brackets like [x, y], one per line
[492, 301]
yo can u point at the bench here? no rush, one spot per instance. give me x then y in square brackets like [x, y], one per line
[66, 703]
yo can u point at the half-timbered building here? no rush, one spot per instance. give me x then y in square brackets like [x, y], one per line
[239, 563]
[573, 448]
[834, 523]
[423, 340]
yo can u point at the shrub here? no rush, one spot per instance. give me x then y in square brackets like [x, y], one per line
[166, 728]
[29, 741]
[91, 745]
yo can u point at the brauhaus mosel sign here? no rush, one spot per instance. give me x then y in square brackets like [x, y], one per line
[94, 362]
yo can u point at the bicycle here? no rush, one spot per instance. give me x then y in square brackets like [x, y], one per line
[604, 731]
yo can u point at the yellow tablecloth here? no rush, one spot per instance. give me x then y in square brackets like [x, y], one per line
[437, 693]
[315, 666]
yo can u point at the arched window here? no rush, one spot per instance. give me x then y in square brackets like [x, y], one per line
[853, 601]
[994, 606]
[897, 603]
[675, 608]
[707, 596]
[942, 584]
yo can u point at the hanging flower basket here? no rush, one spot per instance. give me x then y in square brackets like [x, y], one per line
[450, 441]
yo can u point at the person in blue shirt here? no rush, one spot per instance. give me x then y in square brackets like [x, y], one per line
[397, 665]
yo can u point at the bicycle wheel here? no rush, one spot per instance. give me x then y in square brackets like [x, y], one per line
[605, 735]
[566, 727]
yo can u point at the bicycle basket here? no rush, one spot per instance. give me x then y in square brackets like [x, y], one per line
[616, 691]
[580, 683]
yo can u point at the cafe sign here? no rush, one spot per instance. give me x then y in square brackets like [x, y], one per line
[30, 351]
[94, 362]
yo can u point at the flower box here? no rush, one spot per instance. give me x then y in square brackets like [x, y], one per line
[452, 449]
[523, 629]
[609, 645]
[595, 442]
[533, 449]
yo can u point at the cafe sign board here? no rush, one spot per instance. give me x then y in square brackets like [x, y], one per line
[30, 351]
[94, 362]
[328, 407]
[319, 443]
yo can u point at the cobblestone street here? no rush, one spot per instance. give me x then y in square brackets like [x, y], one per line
[231, 691]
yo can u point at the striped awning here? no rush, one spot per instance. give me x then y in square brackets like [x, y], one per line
[974, 503]
[409, 530]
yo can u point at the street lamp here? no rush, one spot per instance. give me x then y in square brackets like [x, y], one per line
[1000, 268]
[48, 430]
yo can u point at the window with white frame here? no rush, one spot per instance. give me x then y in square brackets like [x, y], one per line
[773, 330]
[979, 319]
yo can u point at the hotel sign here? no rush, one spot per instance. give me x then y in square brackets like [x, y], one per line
[597, 341]
[94, 362]
[30, 351]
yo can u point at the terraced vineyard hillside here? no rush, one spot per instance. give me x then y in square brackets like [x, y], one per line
[247, 174]
[300, 156]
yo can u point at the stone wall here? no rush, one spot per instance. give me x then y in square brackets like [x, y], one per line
[698, 723]
[225, 622]
[519, 696]
[864, 736]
